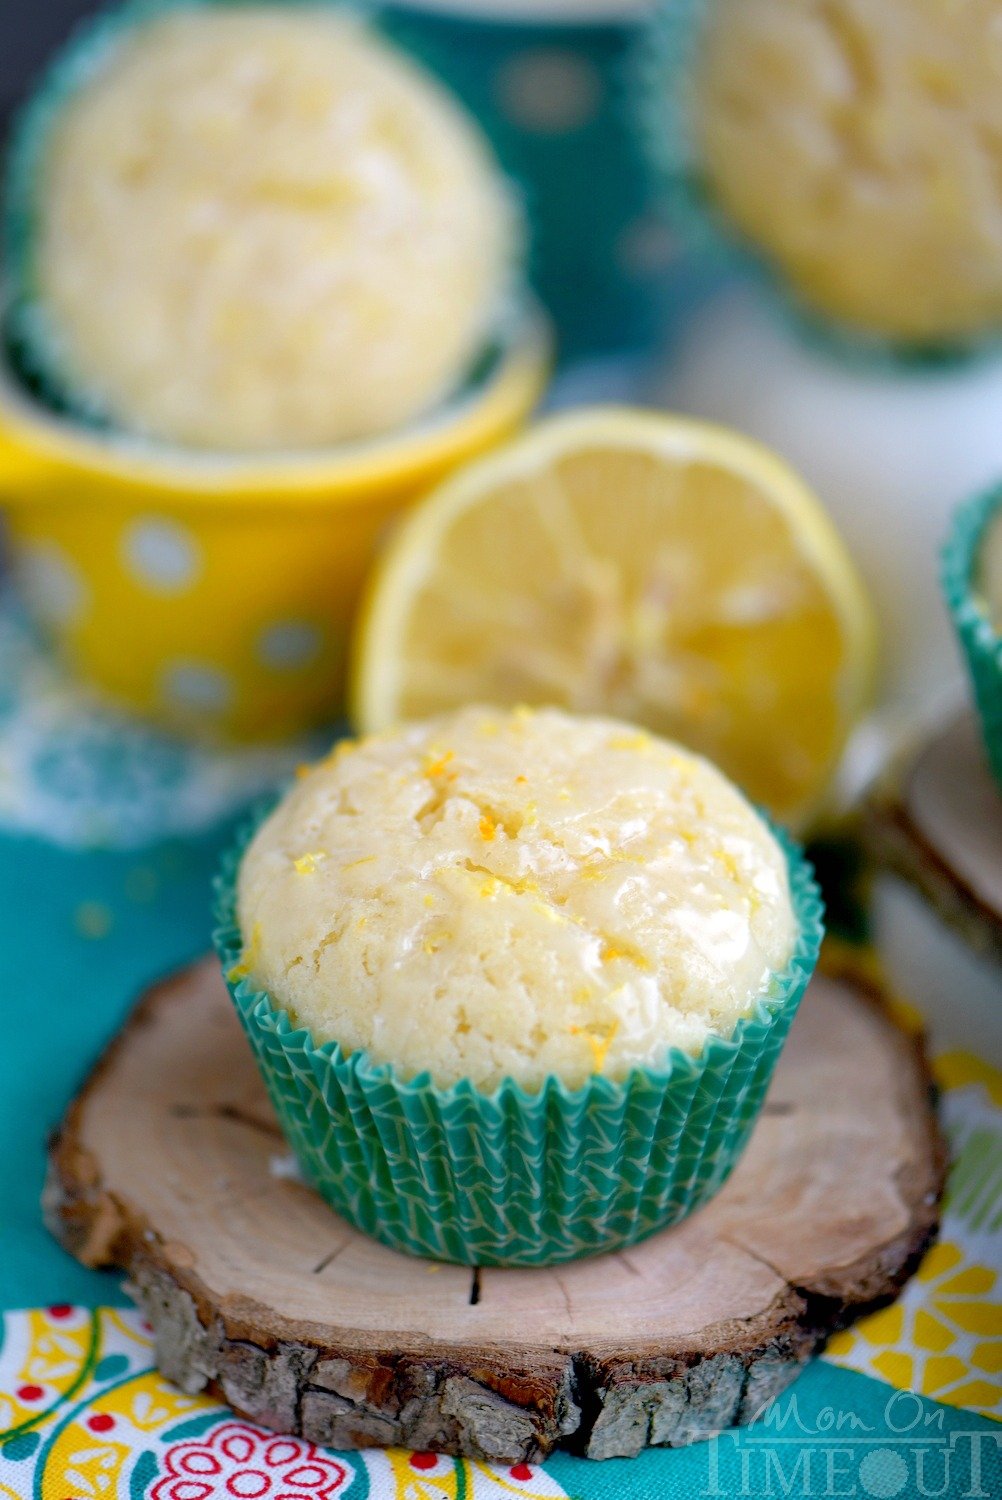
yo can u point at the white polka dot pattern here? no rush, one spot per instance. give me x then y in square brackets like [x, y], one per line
[289, 644]
[161, 555]
[193, 685]
[51, 582]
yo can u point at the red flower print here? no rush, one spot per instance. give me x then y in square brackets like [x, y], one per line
[240, 1462]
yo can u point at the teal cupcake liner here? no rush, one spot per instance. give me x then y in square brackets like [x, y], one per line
[663, 68]
[512, 1177]
[979, 641]
[30, 343]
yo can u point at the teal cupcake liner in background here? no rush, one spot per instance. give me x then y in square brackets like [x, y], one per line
[664, 64]
[510, 1177]
[979, 640]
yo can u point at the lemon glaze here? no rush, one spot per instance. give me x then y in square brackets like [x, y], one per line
[514, 894]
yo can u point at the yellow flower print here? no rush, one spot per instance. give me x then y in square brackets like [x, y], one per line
[943, 1338]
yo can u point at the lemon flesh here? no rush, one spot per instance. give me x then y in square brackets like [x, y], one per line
[649, 567]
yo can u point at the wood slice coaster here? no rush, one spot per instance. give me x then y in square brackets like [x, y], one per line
[170, 1165]
[936, 821]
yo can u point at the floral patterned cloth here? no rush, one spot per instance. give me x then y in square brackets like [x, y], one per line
[87, 1416]
[944, 1334]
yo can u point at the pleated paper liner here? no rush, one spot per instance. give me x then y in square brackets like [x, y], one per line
[979, 641]
[512, 1177]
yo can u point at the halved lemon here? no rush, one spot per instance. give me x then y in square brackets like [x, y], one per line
[651, 567]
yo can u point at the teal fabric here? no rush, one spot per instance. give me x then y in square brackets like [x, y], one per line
[81, 933]
[833, 1433]
[601, 257]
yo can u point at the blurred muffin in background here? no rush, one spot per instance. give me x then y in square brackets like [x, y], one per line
[252, 227]
[855, 147]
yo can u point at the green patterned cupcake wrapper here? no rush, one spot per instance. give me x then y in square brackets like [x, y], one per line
[979, 641]
[511, 1177]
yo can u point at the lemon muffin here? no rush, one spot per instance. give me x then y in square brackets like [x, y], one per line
[253, 227]
[511, 956]
[972, 586]
[494, 896]
[857, 147]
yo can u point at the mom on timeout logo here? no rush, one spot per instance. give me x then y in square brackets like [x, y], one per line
[839, 1453]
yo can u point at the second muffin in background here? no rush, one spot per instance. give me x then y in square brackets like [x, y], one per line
[252, 227]
[517, 980]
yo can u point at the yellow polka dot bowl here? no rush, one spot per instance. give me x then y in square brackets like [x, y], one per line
[214, 593]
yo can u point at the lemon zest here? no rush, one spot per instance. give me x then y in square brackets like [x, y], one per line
[730, 864]
[549, 913]
[598, 1040]
[435, 765]
[248, 958]
[340, 751]
[639, 741]
[307, 863]
[610, 952]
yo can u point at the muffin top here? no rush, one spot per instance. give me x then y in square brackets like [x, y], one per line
[262, 227]
[498, 894]
[988, 581]
[857, 144]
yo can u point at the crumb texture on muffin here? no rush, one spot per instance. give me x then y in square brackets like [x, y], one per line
[515, 894]
[859, 144]
[261, 227]
[988, 580]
